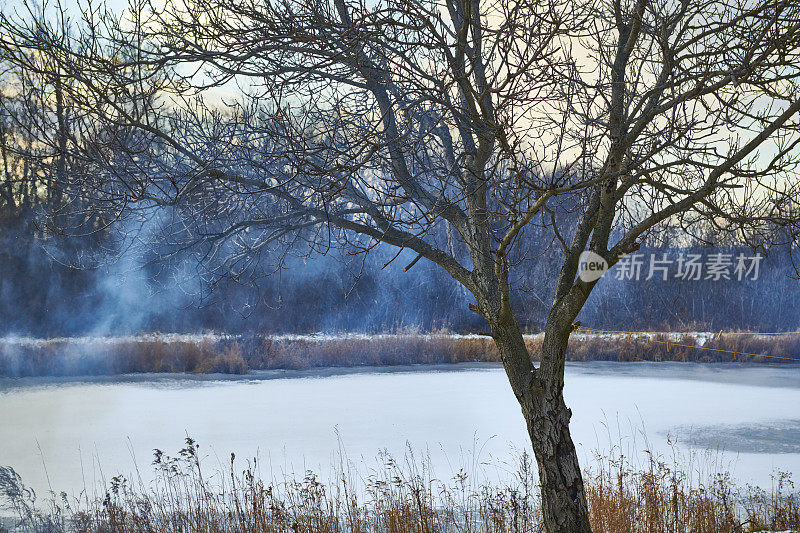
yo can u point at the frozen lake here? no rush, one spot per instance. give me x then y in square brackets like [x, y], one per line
[71, 434]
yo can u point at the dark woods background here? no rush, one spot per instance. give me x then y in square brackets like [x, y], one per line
[52, 285]
[125, 277]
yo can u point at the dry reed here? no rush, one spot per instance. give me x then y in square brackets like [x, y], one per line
[658, 496]
[240, 354]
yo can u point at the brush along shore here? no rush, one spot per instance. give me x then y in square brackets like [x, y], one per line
[650, 494]
[239, 354]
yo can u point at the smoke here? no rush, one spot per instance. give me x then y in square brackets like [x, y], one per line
[59, 287]
[135, 282]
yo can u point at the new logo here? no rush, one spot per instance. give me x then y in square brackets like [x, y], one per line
[591, 266]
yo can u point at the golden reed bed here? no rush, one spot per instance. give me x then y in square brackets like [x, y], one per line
[211, 353]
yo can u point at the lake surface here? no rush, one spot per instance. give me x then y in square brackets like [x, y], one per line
[75, 434]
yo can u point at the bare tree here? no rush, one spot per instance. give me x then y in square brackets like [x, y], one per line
[447, 127]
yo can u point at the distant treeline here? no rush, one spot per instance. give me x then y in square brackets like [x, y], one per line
[111, 278]
[43, 292]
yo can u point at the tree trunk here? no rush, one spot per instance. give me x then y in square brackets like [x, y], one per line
[540, 394]
[563, 496]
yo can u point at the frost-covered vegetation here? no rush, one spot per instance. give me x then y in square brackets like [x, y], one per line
[238, 354]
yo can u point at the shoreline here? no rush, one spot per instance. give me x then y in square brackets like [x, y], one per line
[217, 353]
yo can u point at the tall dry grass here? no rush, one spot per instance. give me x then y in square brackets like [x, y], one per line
[657, 496]
[241, 354]
[688, 347]
[662, 496]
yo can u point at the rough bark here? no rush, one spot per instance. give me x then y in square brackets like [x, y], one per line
[540, 394]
